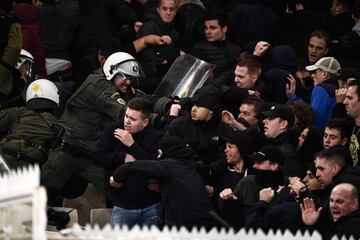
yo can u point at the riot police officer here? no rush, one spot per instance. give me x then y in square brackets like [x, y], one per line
[29, 130]
[98, 101]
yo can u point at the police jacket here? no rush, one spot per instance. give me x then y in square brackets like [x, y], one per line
[110, 153]
[90, 109]
[29, 134]
[9, 57]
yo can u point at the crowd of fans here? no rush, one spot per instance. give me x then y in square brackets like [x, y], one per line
[271, 141]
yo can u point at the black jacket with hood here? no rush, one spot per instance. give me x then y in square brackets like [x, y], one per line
[277, 63]
[184, 197]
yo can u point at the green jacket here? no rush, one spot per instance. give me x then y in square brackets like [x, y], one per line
[24, 130]
[90, 109]
[11, 57]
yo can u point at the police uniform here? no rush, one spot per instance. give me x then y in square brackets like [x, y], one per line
[91, 108]
[9, 58]
[29, 136]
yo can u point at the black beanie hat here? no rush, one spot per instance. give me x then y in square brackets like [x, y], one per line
[176, 147]
[208, 97]
[311, 167]
[240, 138]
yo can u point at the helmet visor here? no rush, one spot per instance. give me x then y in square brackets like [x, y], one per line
[130, 68]
[134, 81]
[26, 70]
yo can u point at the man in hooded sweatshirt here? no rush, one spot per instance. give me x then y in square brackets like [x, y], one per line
[183, 192]
[203, 127]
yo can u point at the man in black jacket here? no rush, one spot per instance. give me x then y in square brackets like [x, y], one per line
[277, 125]
[203, 127]
[135, 202]
[331, 168]
[267, 170]
[216, 49]
[184, 197]
[156, 60]
[343, 216]
[280, 210]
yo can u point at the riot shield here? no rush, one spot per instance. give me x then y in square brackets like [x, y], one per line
[184, 77]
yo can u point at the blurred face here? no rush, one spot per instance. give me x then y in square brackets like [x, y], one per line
[213, 31]
[134, 121]
[232, 153]
[243, 78]
[302, 137]
[167, 10]
[332, 137]
[273, 127]
[311, 182]
[121, 83]
[352, 103]
[341, 202]
[265, 165]
[201, 113]
[247, 113]
[25, 71]
[335, 8]
[318, 76]
[325, 171]
[316, 49]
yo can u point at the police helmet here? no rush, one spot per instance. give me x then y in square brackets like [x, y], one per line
[122, 63]
[42, 94]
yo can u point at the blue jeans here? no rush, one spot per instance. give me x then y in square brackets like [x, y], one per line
[151, 215]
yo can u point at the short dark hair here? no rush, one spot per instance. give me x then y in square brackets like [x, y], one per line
[343, 125]
[215, 14]
[252, 65]
[142, 105]
[323, 35]
[334, 155]
[356, 82]
[258, 103]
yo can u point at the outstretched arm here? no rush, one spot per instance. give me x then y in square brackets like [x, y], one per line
[149, 168]
[142, 42]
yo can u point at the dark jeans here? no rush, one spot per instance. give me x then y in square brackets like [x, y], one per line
[151, 215]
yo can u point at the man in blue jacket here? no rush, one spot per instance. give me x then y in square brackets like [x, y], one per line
[324, 73]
